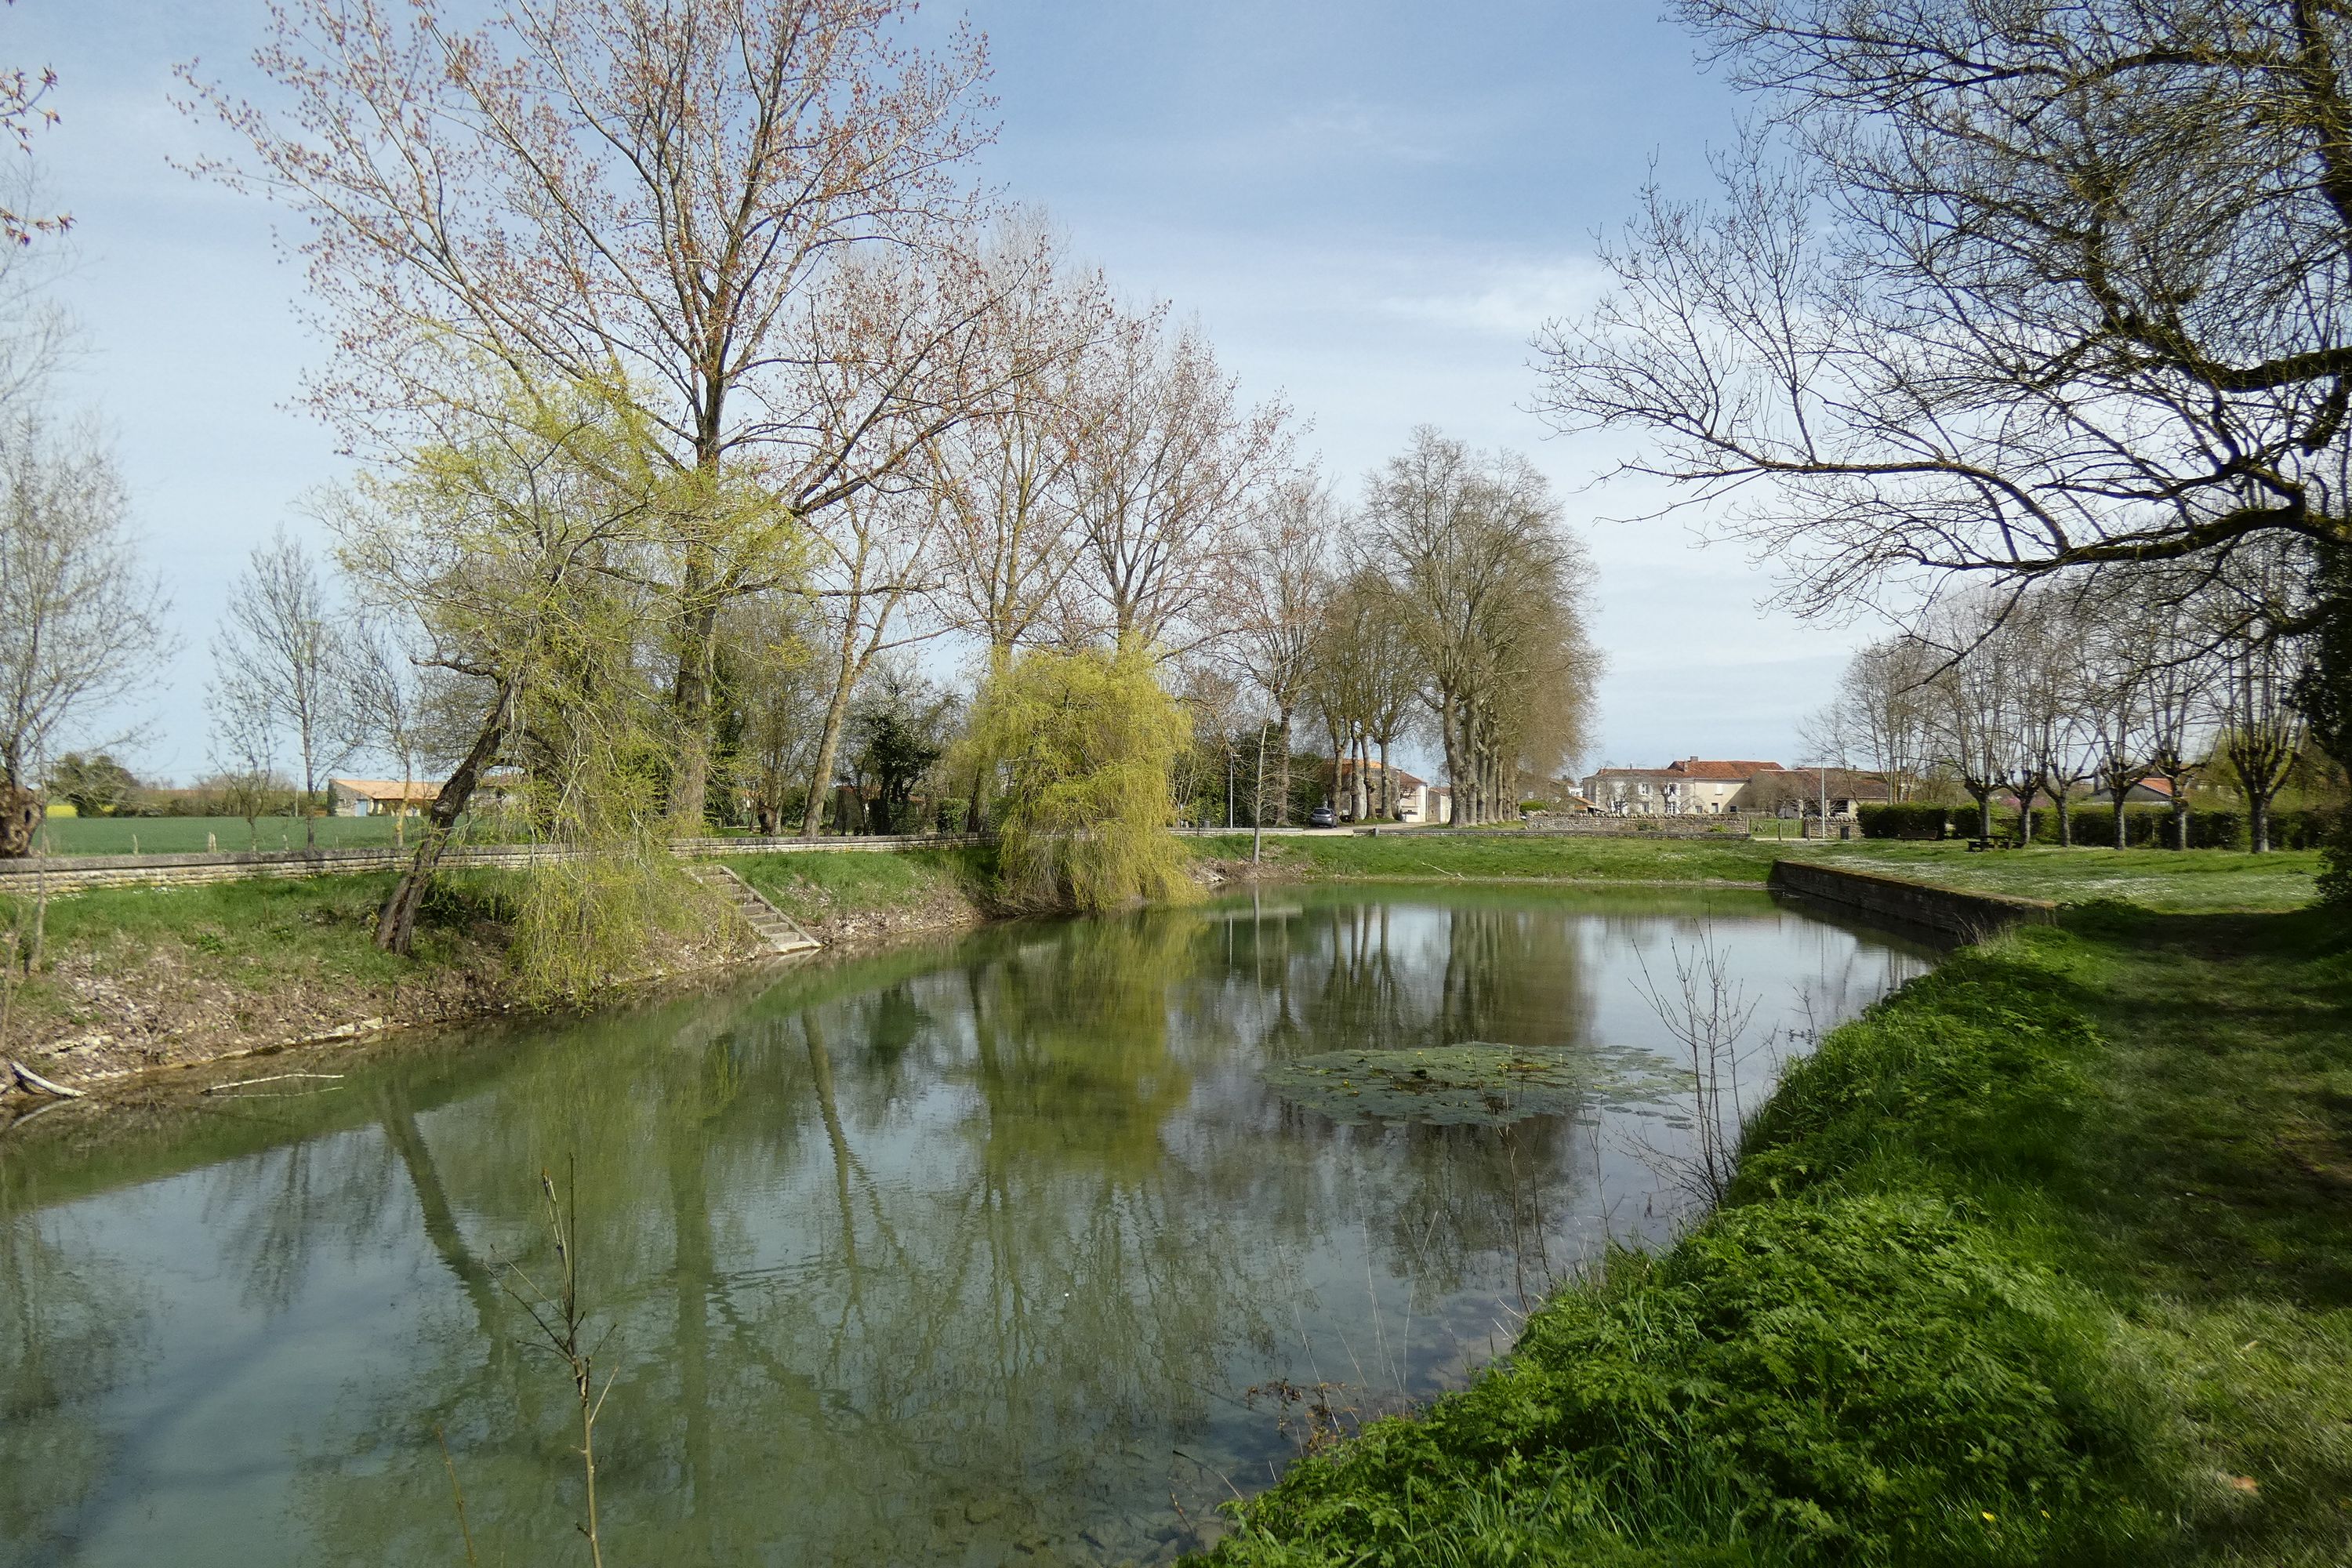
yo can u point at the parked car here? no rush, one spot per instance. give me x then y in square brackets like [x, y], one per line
[1322, 816]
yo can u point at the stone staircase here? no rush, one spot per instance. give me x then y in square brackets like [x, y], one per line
[777, 932]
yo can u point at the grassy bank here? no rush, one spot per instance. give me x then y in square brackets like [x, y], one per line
[1939, 1322]
[2160, 879]
[139, 977]
[864, 893]
[1438, 854]
[132, 977]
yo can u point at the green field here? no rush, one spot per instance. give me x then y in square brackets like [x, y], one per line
[2162, 879]
[190, 835]
[2042, 1261]
[2169, 881]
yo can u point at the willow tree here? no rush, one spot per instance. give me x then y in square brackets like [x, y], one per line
[751, 214]
[503, 543]
[1086, 739]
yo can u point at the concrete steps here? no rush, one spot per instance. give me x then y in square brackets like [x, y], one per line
[777, 932]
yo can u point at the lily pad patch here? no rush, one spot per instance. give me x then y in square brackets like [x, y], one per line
[1473, 1083]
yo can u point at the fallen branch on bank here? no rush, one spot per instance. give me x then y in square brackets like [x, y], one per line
[35, 1082]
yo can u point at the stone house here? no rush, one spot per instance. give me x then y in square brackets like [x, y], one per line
[1695, 786]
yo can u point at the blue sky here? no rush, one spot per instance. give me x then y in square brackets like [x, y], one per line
[1369, 205]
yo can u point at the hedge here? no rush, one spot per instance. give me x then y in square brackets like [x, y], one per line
[2093, 825]
[1907, 822]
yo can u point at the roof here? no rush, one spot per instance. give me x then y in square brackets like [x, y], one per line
[1697, 768]
[1404, 780]
[2162, 786]
[388, 789]
[424, 789]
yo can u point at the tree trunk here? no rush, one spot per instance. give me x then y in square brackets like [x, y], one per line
[2119, 797]
[2180, 817]
[828, 744]
[698, 625]
[2064, 798]
[20, 820]
[1984, 815]
[2258, 822]
[1281, 794]
[1449, 741]
[395, 926]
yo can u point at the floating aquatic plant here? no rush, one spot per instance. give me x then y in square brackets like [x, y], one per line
[1474, 1082]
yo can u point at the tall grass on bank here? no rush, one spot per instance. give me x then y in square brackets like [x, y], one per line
[1934, 1322]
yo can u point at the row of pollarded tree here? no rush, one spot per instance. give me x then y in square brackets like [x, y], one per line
[1449, 604]
[2161, 674]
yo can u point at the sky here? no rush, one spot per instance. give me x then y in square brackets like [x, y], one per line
[1370, 206]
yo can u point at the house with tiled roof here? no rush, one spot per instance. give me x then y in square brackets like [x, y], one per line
[1695, 786]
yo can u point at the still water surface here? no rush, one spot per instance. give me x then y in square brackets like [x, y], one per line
[972, 1253]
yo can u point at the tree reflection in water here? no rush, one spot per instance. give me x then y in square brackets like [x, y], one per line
[970, 1249]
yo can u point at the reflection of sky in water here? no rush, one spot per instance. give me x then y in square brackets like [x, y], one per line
[971, 1252]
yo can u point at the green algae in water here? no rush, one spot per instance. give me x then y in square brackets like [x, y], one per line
[1475, 1083]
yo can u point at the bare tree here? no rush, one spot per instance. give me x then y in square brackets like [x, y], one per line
[25, 107]
[81, 624]
[744, 212]
[2262, 732]
[1877, 721]
[243, 747]
[874, 565]
[1007, 545]
[1167, 468]
[2179, 688]
[1974, 720]
[282, 649]
[1280, 595]
[387, 711]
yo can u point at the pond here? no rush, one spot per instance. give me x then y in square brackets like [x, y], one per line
[1026, 1246]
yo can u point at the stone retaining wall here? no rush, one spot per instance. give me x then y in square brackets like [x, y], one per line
[1968, 915]
[74, 873]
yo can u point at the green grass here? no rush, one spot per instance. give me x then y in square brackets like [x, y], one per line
[821, 884]
[2162, 879]
[1448, 855]
[2048, 1258]
[2169, 881]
